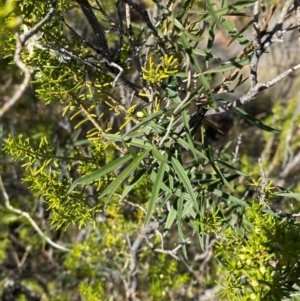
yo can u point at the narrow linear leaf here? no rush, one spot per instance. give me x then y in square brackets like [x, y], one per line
[96, 175]
[227, 197]
[155, 191]
[203, 53]
[185, 181]
[163, 186]
[225, 11]
[128, 140]
[180, 208]
[232, 167]
[231, 65]
[194, 38]
[184, 8]
[170, 220]
[207, 151]
[293, 195]
[133, 183]
[256, 122]
[188, 134]
[110, 190]
[180, 232]
[188, 208]
[184, 42]
[151, 117]
[157, 155]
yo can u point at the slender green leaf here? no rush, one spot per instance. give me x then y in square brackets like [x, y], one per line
[170, 219]
[210, 42]
[158, 155]
[188, 134]
[128, 141]
[180, 207]
[202, 53]
[227, 196]
[96, 175]
[184, 42]
[179, 224]
[133, 183]
[185, 181]
[225, 10]
[110, 190]
[184, 8]
[151, 117]
[255, 121]
[207, 151]
[163, 186]
[231, 65]
[188, 206]
[230, 29]
[155, 190]
[194, 38]
[294, 195]
[232, 167]
[212, 12]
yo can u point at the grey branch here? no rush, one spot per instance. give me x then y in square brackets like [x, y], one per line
[110, 69]
[96, 26]
[144, 234]
[8, 205]
[251, 94]
[259, 47]
[21, 40]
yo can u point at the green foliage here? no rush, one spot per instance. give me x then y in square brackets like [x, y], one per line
[261, 260]
[163, 70]
[49, 177]
[163, 278]
[92, 293]
[7, 19]
[128, 146]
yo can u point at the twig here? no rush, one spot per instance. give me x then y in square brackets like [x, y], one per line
[172, 252]
[20, 43]
[236, 151]
[259, 47]
[297, 9]
[121, 31]
[144, 233]
[264, 182]
[251, 94]
[288, 154]
[292, 164]
[127, 85]
[29, 218]
[97, 28]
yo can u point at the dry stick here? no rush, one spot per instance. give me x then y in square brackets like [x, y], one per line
[121, 31]
[264, 181]
[288, 154]
[256, 87]
[297, 9]
[21, 41]
[96, 26]
[252, 93]
[144, 15]
[29, 218]
[144, 233]
[289, 167]
[127, 85]
[257, 46]
[105, 53]
[146, 18]
[237, 147]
